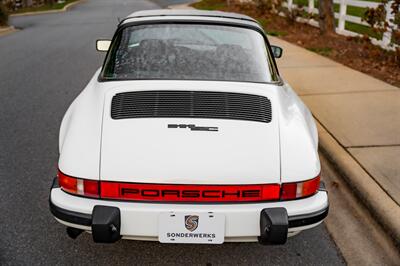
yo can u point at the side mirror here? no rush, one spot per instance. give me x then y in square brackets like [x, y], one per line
[103, 45]
[277, 51]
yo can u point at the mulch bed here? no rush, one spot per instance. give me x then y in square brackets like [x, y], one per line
[356, 53]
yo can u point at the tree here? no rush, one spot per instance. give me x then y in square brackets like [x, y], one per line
[326, 17]
[3, 15]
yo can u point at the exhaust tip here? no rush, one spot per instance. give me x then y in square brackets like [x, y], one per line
[74, 232]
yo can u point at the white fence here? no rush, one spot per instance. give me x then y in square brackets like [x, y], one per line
[342, 17]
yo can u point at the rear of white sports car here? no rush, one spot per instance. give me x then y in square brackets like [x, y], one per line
[188, 135]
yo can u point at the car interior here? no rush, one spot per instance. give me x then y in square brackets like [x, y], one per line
[154, 58]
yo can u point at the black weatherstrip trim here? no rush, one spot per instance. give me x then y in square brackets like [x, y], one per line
[55, 183]
[307, 219]
[70, 216]
[257, 27]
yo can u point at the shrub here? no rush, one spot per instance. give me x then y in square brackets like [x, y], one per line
[376, 18]
[3, 15]
[273, 6]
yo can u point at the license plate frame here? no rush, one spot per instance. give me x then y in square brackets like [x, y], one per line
[191, 227]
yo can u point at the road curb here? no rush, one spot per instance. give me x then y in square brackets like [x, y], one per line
[64, 9]
[381, 206]
[7, 30]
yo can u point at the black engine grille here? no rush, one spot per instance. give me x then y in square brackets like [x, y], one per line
[194, 104]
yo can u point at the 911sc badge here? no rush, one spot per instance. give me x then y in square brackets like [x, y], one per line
[191, 222]
[193, 127]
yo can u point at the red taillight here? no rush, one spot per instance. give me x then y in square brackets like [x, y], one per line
[300, 189]
[189, 193]
[91, 188]
[67, 183]
[84, 187]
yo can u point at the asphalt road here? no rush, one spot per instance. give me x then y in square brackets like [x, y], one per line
[43, 68]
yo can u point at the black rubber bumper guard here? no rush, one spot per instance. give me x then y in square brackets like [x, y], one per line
[105, 221]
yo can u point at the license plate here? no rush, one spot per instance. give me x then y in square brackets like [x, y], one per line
[195, 228]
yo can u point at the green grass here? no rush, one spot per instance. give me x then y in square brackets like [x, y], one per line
[325, 51]
[355, 11]
[47, 7]
[263, 22]
[351, 10]
[276, 33]
[365, 30]
[304, 3]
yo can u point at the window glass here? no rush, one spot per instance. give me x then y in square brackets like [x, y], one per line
[186, 51]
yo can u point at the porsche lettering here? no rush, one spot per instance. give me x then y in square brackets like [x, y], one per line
[190, 193]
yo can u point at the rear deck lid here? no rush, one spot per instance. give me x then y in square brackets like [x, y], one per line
[197, 136]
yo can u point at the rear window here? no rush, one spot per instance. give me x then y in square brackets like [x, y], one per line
[189, 51]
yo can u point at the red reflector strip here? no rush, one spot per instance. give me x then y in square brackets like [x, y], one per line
[91, 188]
[189, 193]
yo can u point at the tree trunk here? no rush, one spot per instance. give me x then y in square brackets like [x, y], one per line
[3, 15]
[326, 17]
[49, 2]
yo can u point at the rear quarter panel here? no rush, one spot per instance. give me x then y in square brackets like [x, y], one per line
[298, 138]
[80, 133]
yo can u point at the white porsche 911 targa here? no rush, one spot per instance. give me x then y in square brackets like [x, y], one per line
[188, 134]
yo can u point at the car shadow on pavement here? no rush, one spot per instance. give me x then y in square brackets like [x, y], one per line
[311, 247]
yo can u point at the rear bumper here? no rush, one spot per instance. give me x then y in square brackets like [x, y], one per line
[140, 220]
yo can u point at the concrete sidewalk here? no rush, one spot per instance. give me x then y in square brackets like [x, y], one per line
[359, 126]
[358, 119]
